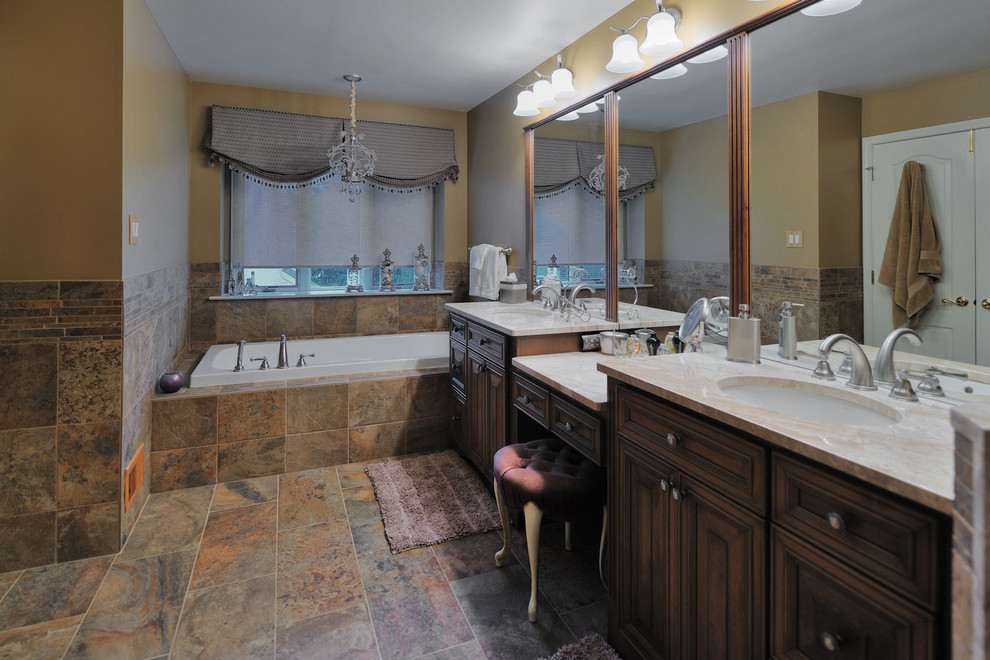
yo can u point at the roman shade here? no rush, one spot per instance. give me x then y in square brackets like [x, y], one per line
[289, 150]
[559, 165]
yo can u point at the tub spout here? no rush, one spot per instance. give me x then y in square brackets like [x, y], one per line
[283, 353]
[240, 355]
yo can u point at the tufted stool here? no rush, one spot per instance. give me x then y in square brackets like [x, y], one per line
[546, 477]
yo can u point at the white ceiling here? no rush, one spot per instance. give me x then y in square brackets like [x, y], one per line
[450, 54]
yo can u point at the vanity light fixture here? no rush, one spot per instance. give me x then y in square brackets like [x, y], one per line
[543, 89]
[675, 71]
[570, 116]
[545, 92]
[351, 159]
[526, 104]
[562, 81]
[661, 39]
[710, 55]
[591, 107]
[830, 7]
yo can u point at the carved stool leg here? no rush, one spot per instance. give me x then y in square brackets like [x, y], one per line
[504, 515]
[534, 516]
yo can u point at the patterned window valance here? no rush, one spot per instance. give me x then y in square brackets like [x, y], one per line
[290, 150]
[563, 164]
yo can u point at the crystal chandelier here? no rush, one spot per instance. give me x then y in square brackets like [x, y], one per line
[353, 161]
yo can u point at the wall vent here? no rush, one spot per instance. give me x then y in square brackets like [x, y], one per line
[133, 477]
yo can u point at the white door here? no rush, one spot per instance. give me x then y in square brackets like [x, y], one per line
[981, 144]
[947, 330]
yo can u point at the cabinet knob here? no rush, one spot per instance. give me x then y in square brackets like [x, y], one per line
[481, 341]
[835, 521]
[525, 399]
[672, 439]
[678, 495]
[568, 427]
[664, 485]
[831, 642]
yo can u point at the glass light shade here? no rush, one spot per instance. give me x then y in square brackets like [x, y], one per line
[625, 59]
[675, 71]
[830, 7]
[591, 107]
[570, 116]
[660, 37]
[544, 94]
[562, 82]
[711, 55]
[526, 104]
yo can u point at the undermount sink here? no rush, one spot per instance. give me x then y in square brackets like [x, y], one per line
[522, 313]
[810, 401]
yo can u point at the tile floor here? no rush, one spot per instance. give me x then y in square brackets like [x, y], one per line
[297, 566]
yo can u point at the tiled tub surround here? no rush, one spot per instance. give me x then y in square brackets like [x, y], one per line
[210, 435]
[258, 318]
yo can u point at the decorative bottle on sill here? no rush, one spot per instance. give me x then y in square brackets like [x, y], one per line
[388, 277]
[422, 271]
[354, 276]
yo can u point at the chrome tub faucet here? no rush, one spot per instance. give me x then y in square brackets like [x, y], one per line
[240, 355]
[283, 353]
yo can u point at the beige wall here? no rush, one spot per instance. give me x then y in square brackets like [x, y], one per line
[204, 188]
[155, 132]
[958, 98]
[60, 131]
[497, 193]
[840, 200]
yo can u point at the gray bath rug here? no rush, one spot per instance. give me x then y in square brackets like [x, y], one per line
[431, 498]
[592, 647]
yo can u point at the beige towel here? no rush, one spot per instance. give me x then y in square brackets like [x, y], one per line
[912, 260]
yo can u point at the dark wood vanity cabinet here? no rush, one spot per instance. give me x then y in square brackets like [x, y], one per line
[726, 548]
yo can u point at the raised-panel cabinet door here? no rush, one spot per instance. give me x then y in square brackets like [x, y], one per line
[475, 443]
[722, 595]
[493, 424]
[640, 622]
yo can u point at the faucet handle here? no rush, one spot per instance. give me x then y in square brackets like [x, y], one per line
[264, 362]
[902, 388]
[302, 359]
[824, 370]
[931, 370]
[928, 381]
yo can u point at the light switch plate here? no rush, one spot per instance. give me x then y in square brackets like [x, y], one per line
[794, 238]
[135, 226]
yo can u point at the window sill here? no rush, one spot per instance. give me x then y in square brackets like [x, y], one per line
[283, 295]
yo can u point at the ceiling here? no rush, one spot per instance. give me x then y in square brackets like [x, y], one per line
[445, 54]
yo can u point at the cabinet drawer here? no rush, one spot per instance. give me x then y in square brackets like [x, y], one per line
[487, 342]
[736, 466]
[887, 538]
[458, 329]
[821, 609]
[531, 398]
[577, 427]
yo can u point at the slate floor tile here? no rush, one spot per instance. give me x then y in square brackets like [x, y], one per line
[170, 522]
[237, 544]
[346, 633]
[234, 620]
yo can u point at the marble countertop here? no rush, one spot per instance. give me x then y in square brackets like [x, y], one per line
[573, 374]
[912, 458]
[499, 316]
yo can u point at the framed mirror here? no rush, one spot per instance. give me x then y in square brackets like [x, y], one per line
[839, 105]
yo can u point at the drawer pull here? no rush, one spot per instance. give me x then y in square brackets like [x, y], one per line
[525, 399]
[835, 522]
[831, 642]
[672, 439]
[568, 427]
[678, 495]
[481, 341]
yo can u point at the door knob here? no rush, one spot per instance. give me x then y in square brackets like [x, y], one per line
[961, 301]
[985, 304]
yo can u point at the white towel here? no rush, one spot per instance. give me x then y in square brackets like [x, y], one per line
[487, 269]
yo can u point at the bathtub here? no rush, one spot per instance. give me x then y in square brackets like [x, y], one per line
[340, 356]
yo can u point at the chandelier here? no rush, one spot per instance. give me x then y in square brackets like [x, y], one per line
[351, 159]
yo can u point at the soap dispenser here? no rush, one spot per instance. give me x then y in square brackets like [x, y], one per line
[787, 331]
[744, 338]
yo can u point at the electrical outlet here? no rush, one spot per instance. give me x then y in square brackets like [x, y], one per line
[135, 226]
[794, 238]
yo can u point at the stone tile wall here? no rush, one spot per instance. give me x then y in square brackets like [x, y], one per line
[60, 421]
[256, 319]
[683, 282]
[832, 299]
[218, 434]
[156, 333]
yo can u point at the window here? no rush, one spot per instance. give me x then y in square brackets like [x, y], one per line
[303, 239]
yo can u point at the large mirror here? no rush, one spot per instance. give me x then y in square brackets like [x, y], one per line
[677, 229]
[840, 104]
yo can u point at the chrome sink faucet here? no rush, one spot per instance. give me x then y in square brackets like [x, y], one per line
[555, 304]
[884, 372]
[584, 286]
[862, 376]
[283, 353]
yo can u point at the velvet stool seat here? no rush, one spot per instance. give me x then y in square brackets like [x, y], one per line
[546, 477]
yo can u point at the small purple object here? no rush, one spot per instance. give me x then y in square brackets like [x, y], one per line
[171, 381]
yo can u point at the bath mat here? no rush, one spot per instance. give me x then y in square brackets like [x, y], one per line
[592, 647]
[431, 498]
